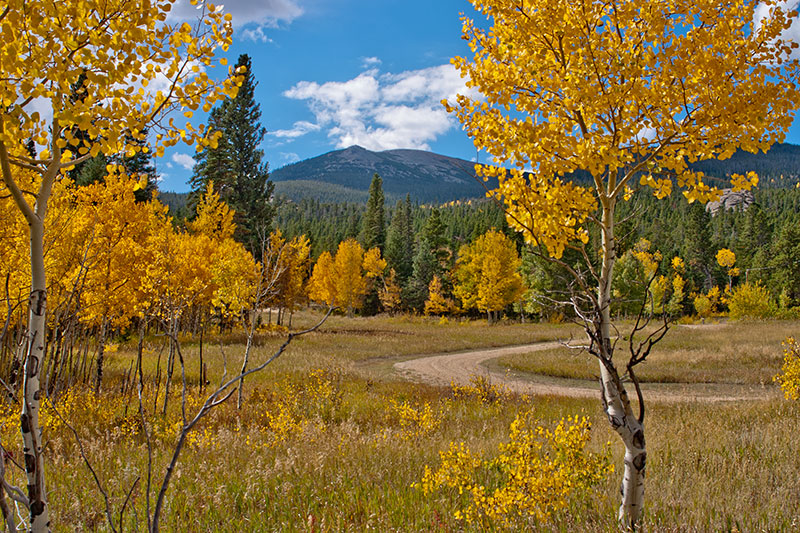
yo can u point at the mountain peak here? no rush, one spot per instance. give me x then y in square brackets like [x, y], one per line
[426, 176]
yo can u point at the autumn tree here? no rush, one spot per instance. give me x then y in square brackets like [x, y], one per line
[292, 290]
[726, 259]
[437, 303]
[115, 226]
[343, 280]
[351, 285]
[631, 93]
[487, 274]
[390, 293]
[322, 284]
[121, 48]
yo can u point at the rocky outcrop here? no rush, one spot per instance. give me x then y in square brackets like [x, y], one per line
[731, 199]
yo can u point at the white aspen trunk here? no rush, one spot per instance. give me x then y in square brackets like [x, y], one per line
[37, 329]
[615, 398]
[251, 328]
[29, 421]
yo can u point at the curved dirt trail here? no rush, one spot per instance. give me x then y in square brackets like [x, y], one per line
[459, 367]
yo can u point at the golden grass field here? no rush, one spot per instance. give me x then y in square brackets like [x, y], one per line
[329, 439]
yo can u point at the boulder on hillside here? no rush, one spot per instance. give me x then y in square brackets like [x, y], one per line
[731, 199]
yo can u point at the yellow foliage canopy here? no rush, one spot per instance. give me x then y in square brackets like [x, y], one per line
[487, 273]
[619, 89]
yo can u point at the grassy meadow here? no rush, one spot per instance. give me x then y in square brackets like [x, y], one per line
[328, 439]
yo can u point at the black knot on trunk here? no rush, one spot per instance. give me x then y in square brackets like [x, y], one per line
[37, 508]
[638, 439]
[640, 461]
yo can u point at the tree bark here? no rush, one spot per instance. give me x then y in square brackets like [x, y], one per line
[251, 328]
[616, 403]
[29, 421]
[101, 349]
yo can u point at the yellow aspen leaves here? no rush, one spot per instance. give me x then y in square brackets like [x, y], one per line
[789, 378]
[744, 183]
[536, 473]
[322, 285]
[437, 303]
[726, 258]
[344, 279]
[90, 62]
[374, 265]
[351, 285]
[624, 91]
[214, 217]
[487, 273]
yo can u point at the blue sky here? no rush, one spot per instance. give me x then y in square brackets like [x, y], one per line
[333, 73]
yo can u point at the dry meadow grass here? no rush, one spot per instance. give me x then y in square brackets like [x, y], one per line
[328, 440]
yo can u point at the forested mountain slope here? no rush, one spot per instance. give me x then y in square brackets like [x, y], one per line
[428, 177]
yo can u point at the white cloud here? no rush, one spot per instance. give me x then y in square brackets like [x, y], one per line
[256, 35]
[183, 160]
[382, 111]
[250, 17]
[368, 62]
[793, 32]
[289, 157]
[261, 12]
[298, 130]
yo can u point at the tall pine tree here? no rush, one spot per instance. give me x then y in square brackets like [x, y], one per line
[235, 166]
[400, 241]
[373, 225]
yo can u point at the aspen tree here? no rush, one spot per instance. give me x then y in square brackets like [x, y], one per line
[631, 92]
[487, 274]
[138, 69]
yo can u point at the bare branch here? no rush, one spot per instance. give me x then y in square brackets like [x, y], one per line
[125, 503]
[87, 463]
[212, 401]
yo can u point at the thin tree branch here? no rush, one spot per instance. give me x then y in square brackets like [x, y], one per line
[87, 463]
[212, 401]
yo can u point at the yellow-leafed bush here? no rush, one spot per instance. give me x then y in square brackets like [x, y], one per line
[789, 378]
[533, 475]
[479, 388]
[750, 300]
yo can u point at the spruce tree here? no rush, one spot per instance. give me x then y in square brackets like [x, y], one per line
[426, 266]
[93, 170]
[697, 248]
[434, 233]
[235, 166]
[373, 226]
[400, 241]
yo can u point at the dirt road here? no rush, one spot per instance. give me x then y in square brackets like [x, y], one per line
[459, 367]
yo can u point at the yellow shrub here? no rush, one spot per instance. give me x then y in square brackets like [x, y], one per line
[415, 421]
[789, 378]
[750, 300]
[479, 388]
[533, 475]
[702, 304]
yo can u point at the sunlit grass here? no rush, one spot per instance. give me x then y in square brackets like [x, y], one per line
[323, 443]
[740, 352]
